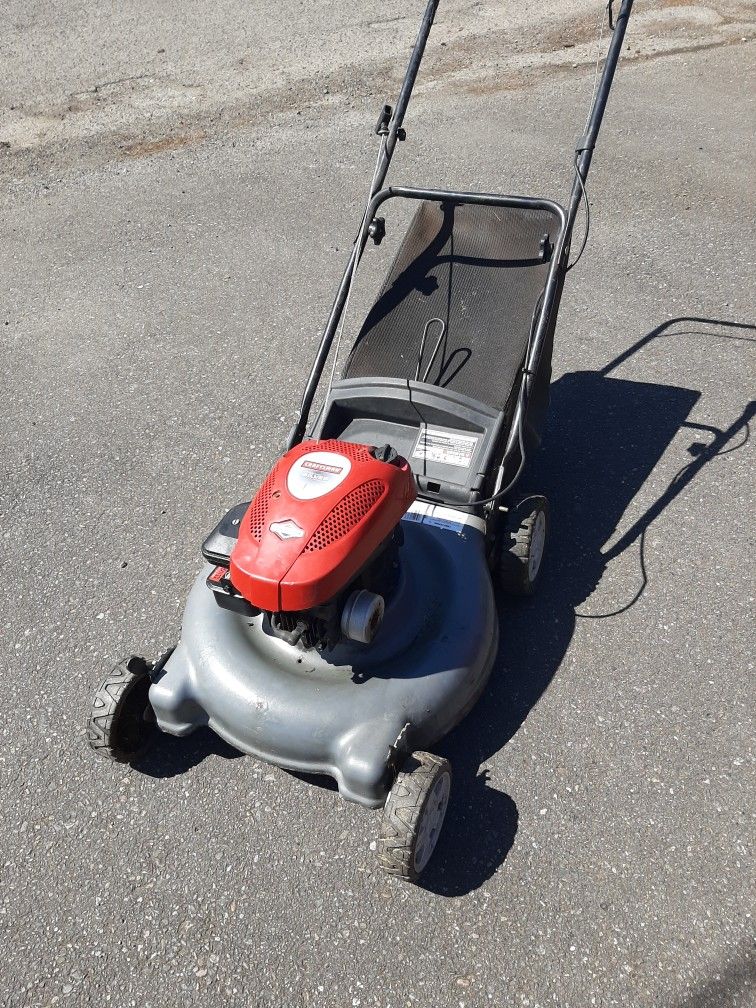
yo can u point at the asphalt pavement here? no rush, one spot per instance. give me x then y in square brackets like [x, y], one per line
[171, 243]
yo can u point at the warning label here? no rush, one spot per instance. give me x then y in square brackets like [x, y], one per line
[447, 447]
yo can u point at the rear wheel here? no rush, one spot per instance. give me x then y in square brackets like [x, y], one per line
[121, 723]
[413, 815]
[523, 545]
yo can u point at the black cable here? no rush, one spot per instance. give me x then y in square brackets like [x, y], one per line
[500, 493]
[505, 490]
[579, 177]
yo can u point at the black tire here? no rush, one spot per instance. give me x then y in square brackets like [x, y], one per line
[121, 724]
[523, 545]
[413, 815]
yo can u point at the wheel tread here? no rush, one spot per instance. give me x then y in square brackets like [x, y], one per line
[514, 576]
[396, 845]
[107, 704]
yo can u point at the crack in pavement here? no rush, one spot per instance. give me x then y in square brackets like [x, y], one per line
[142, 115]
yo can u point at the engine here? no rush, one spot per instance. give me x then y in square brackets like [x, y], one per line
[317, 549]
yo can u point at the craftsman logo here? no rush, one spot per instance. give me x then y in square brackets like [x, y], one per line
[316, 474]
[321, 467]
[287, 529]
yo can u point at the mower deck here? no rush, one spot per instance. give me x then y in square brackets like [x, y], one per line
[342, 712]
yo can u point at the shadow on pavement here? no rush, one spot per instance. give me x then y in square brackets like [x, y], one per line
[171, 756]
[731, 986]
[479, 830]
[605, 436]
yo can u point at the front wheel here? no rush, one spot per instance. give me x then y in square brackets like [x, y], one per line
[413, 815]
[121, 723]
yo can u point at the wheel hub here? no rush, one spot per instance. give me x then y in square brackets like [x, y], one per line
[537, 543]
[431, 820]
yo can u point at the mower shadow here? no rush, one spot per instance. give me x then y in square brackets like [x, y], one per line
[605, 436]
[172, 756]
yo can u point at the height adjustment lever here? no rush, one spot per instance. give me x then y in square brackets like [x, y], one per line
[377, 229]
[381, 127]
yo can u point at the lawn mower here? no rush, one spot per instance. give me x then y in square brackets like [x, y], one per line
[344, 619]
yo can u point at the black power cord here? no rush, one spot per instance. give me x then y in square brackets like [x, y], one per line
[581, 181]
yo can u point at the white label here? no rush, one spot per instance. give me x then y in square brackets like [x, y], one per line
[439, 516]
[445, 446]
[316, 474]
[287, 529]
[435, 520]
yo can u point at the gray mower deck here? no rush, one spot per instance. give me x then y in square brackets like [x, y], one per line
[340, 713]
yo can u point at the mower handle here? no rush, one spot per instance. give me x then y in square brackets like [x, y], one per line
[391, 130]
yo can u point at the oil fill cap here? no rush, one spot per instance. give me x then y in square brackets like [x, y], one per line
[385, 454]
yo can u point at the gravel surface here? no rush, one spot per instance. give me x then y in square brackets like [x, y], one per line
[166, 270]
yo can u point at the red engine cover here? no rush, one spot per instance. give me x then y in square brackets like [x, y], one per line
[322, 511]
